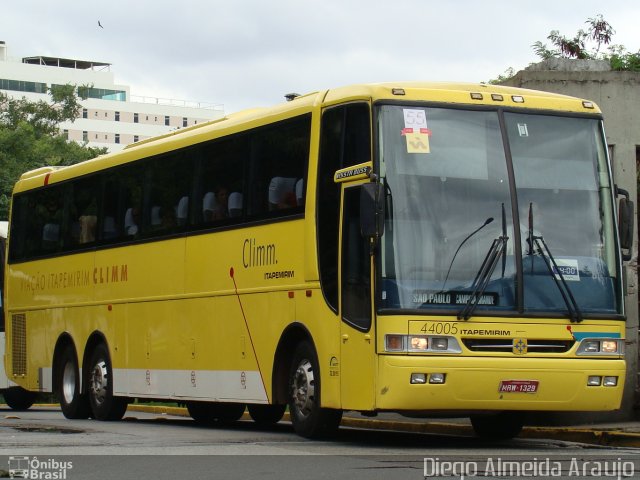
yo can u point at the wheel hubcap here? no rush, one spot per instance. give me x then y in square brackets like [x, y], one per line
[303, 388]
[69, 382]
[99, 382]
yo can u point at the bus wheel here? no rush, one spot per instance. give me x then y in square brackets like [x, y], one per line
[266, 414]
[308, 418]
[501, 426]
[18, 398]
[73, 404]
[104, 405]
[210, 412]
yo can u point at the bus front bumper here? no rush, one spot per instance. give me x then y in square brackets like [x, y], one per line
[479, 384]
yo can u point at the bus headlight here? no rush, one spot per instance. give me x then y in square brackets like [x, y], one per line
[440, 343]
[418, 343]
[601, 346]
[421, 344]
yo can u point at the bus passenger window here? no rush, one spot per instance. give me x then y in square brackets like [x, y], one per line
[49, 212]
[84, 212]
[278, 161]
[221, 178]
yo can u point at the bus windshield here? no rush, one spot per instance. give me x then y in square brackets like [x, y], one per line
[453, 178]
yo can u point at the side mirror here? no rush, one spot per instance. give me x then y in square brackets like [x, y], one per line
[372, 210]
[626, 216]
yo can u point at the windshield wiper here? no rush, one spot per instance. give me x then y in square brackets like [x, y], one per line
[483, 277]
[486, 222]
[536, 242]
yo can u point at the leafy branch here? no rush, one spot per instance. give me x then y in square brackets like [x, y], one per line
[587, 45]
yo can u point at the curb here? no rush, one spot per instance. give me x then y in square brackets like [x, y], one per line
[603, 437]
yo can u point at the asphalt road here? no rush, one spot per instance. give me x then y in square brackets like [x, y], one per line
[43, 443]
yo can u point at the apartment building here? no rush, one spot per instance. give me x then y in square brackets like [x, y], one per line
[111, 117]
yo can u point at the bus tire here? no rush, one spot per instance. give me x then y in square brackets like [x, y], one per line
[501, 426]
[208, 413]
[266, 414]
[104, 405]
[17, 398]
[73, 403]
[308, 418]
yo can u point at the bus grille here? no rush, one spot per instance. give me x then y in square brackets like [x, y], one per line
[506, 345]
[19, 343]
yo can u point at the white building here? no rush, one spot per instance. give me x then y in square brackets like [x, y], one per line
[111, 116]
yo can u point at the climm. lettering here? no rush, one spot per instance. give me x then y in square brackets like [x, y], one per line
[257, 255]
[112, 274]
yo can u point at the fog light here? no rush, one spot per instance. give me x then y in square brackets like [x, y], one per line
[610, 381]
[418, 378]
[594, 381]
[439, 343]
[436, 378]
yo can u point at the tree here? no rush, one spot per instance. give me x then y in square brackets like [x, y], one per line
[599, 32]
[584, 45]
[30, 137]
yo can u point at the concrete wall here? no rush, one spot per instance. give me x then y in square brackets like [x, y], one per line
[618, 96]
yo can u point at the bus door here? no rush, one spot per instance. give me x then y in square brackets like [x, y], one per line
[357, 363]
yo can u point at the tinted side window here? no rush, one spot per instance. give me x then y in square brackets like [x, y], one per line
[18, 246]
[345, 139]
[197, 187]
[356, 273]
[221, 191]
[278, 160]
[38, 223]
[83, 212]
[168, 202]
[122, 204]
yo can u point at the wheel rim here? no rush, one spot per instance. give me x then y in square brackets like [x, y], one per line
[303, 388]
[99, 382]
[69, 382]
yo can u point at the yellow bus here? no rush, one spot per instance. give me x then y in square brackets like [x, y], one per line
[444, 249]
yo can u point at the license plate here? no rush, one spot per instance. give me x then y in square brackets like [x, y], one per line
[518, 386]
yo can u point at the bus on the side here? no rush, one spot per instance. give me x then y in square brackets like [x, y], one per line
[421, 248]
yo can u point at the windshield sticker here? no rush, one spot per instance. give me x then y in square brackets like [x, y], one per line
[416, 131]
[569, 269]
[523, 130]
[452, 298]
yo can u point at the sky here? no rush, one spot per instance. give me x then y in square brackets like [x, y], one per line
[250, 53]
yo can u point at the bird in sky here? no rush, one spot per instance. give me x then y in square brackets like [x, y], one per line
[99, 24]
